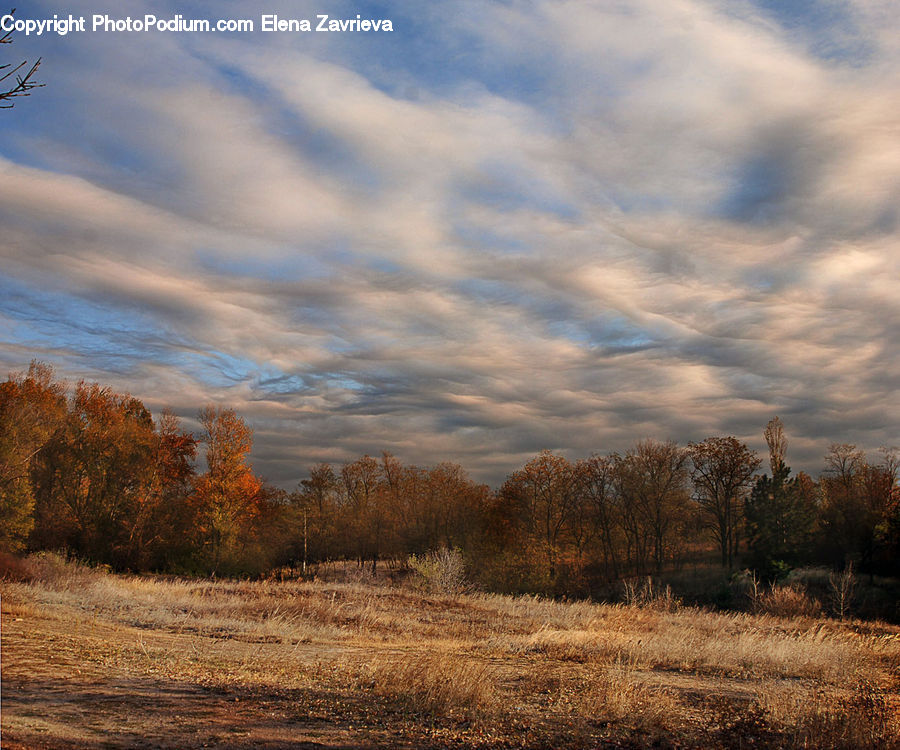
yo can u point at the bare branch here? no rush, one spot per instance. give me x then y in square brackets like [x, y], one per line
[22, 84]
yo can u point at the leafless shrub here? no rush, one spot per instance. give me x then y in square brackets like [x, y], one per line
[442, 571]
[783, 601]
[841, 588]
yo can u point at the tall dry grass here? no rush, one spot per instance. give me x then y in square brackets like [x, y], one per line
[439, 685]
[861, 717]
[618, 696]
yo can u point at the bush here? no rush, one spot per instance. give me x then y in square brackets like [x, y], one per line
[13, 568]
[55, 570]
[842, 587]
[441, 571]
[783, 601]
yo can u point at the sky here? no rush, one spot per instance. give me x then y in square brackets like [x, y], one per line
[500, 228]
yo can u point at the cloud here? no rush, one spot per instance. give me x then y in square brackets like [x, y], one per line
[504, 228]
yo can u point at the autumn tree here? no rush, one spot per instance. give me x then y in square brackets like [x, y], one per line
[722, 470]
[362, 512]
[880, 494]
[856, 501]
[32, 408]
[452, 508]
[398, 502]
[889, 529]
[94, 474]
[314, 509]
[380, 509]
[163, 526]
[844, 514]
[543, 492]
[227, 494]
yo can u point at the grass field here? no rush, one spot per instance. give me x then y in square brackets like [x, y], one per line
[91, 659]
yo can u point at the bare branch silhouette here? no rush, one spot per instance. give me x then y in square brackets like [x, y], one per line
[16, 80]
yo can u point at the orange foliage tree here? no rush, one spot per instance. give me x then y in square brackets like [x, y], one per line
[32, 407]
[94, 474]
[227, 496]
[160, 531]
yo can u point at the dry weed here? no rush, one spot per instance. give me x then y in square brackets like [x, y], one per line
[618, 696]
[815, 718]
[643, 592]
[786, 601]
[439, 685]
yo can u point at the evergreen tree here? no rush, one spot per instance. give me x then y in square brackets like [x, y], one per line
[780, 518]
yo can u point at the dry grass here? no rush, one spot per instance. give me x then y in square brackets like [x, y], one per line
[365, 664]
[618, 696]
[439, 685]
[807, 718]
[785, 601]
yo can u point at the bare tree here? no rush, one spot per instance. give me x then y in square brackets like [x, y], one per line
[777, 443]
[650, 483]
[597, 501]
[723, 469]
[545, 492]
[16, 80]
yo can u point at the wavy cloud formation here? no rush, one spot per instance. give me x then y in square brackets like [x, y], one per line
[501, 228]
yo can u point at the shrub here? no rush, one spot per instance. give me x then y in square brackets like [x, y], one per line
[784, 601]
[59, 572]
[13, 568]
[841, 588]
[442, 571]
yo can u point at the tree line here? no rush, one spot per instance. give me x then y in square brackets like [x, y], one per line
[90, 471]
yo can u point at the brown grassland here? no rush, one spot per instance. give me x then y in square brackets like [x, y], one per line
[91, 659]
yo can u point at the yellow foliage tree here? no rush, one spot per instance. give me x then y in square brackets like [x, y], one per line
[227, 495]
